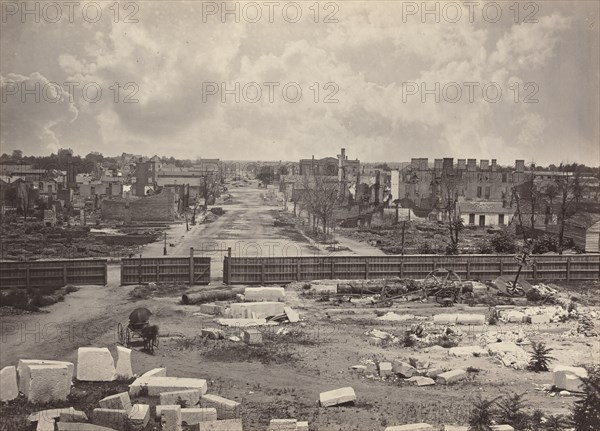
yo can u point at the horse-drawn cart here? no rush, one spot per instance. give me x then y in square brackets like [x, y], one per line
[139, 328]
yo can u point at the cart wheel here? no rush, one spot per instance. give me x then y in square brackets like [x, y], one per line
[513, 290]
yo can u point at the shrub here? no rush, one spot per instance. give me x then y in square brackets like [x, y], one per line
[556, 423]
[480, 418]
[425, 248]
[503, 242]
[586, 411]
[545, 244]
[540, 358]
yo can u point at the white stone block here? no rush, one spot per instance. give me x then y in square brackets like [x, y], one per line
[468, 351]
[73, 416]
[158, 385]
[515, 316]
[455, 428]
[8, 384]
[139, 416]
[502, 428]
[404, 368]
[226, 409]
[124, 369]
[302, 426]
[186, 398]
[45, 424]
[69, 426]
[221, 425]
[337, 396]
[385, 369]
[95, 364]
[283, 425]
[196, 415]
[256, 310]
[264, 294]
[111, 418]
[292, 315]
[421, 381]
[119, 401]
[569, 378]
[155, 372]
[47, 383]
[52, 414]
[23, 370]
[451, 376]
[462, 319]
[170, 418]
[411, 427]
[540, 319]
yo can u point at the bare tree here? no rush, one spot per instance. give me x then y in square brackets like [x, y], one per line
[570, 190]
[320, 197]
[449, 188]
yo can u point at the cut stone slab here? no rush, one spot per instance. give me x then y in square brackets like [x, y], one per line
[51, 414]
[468, 351]
[241, 323]
[123, 369]
[212, 333]
[45, 424]
[302, 426]
[568, 378]
[47, 383]
[226, 409]
[155, 372]
[95, 364]
[213, 309]
[190, 397]
[252, 336]
[455, 428]
[72, 426]
[540, 319]
[421, 381]
[139, 416]
[515, 316]
[337, 396]
[403, 368]
[461, 319]
[451, 376]
[434, 372]
[411, 427]
[502, 428]
[292, 315]
[8, 384]
[23, 370]
[119, 401]
[359, 368]
[221, 425]
[385, 369]
[510, 354]
[73, 416]
[170, 418]
[283, 425]
[264, 294]
[194, 416]
[158, 385]
[260, 309]
[111, 418]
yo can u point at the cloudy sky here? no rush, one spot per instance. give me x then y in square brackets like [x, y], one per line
[363, 69]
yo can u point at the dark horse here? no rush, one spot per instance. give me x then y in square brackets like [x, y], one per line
[150, 336]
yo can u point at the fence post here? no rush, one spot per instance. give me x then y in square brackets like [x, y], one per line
[228, 266]
[468, 269]
[501, 267]
[534, 271]
[262, 273]
[402, 268]
[121, 272]
[298, 273]
[140, 270]
[28, 275]
[191, 266]
[366, 269]
[65, 273]
[568, 269]
[105, 272]
[333, 270]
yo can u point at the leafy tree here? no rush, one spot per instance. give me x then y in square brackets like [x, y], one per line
[17, 154]
[586, 411]
[540, 358]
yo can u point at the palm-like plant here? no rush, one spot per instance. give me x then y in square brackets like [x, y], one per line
[481, 415]
[511, 411]
[540, 357]
[556, 423]
[586, 412]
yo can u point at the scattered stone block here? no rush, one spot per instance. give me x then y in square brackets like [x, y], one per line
[422, 381]
[241, 323]
[45, 424]
[403, 368]
[71, 426]
[264, 294]
[221, 425]
[468, 351]
[302, 426]
[8, 384]
[155, 372]
[170, 418]
[460, 319]
[194, 416]
[515, 316]
[260, 309]
[119, 401]
[95, 364]
[569, 378]
[111, 418]
[510, 354]
[226, 409]
[359, 368]
[502, 428]
[213, 309]
[337, 397]
[73, 416]
[564, 394]
[50, 414]
[252, 336]
[374, 341]
[411, 427]
[47, 383]
[283, 425]
[292, 315]
[385, 369]
[23, 370]
[434, 372]
[455, 428]
[451, 376]
[124, 369]
[186, 398]
[212, 333]
[158, 385]
[540, 319]
[138, 417]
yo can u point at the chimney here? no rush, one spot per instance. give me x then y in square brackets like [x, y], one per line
[494, 165]
[520, 165]
[461, 164]
[484, 164]
[437, 164]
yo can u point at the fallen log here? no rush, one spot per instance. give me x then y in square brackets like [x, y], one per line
[211, 296]
[373, 287]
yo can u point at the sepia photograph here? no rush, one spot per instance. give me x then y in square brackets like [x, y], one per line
[310, 215]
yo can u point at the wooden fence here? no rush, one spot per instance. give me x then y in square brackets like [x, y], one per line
[266, 270]
[190, 270]
[52, 273]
